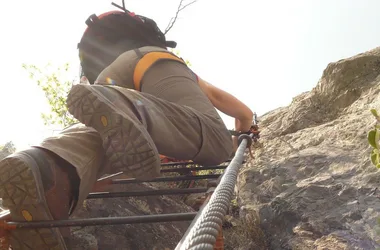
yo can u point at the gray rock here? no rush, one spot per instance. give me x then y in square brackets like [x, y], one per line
[160, 236]
[311, 184]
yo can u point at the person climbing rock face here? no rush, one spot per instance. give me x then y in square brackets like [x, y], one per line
[142, 101]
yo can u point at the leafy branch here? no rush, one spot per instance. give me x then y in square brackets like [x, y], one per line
[55, 87]
[374, 140]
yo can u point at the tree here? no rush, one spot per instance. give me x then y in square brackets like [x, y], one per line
[56, 85]
[180, 8]
[7, 149]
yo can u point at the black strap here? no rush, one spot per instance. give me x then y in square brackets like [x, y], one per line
[138, 53]
[92, 19]
[237, 133]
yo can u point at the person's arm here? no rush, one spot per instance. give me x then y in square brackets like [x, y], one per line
[229, 105]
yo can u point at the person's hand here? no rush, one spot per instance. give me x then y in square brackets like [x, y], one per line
[243, 125]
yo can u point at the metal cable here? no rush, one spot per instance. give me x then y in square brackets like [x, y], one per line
[203, 232]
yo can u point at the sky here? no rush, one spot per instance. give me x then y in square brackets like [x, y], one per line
[263, 52]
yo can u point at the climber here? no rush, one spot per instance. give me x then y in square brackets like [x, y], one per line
[142, 101]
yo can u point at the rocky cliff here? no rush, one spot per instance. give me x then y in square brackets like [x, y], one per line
[311, 184]
[144, 236]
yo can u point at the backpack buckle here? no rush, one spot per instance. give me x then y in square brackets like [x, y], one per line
[91, 19]
[171, 44]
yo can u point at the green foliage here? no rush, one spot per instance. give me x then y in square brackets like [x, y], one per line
[374, 140]
[54, 84]
[7, 149]
[234, 202]
[374, 112]
[176, 52]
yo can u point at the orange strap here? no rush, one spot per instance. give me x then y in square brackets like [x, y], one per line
[219, 244]
[146, 62]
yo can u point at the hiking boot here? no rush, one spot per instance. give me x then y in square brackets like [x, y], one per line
[35, 185]
[126, 141]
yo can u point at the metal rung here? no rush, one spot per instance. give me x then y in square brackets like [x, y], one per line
[104, 221]
[167, 179]
[146, 193]
[171, 170]
[181, 163]
[4, 213]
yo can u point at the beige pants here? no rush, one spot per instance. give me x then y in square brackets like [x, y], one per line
[187, 126]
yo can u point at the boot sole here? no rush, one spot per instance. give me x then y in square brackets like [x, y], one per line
[22, 192]
[127, 144]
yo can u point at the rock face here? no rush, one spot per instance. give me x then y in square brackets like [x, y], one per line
[155, 236]
[311, 184]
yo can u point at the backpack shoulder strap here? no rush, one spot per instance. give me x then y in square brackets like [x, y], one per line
[146, 61]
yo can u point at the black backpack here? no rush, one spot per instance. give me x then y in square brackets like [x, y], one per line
[104, 31]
